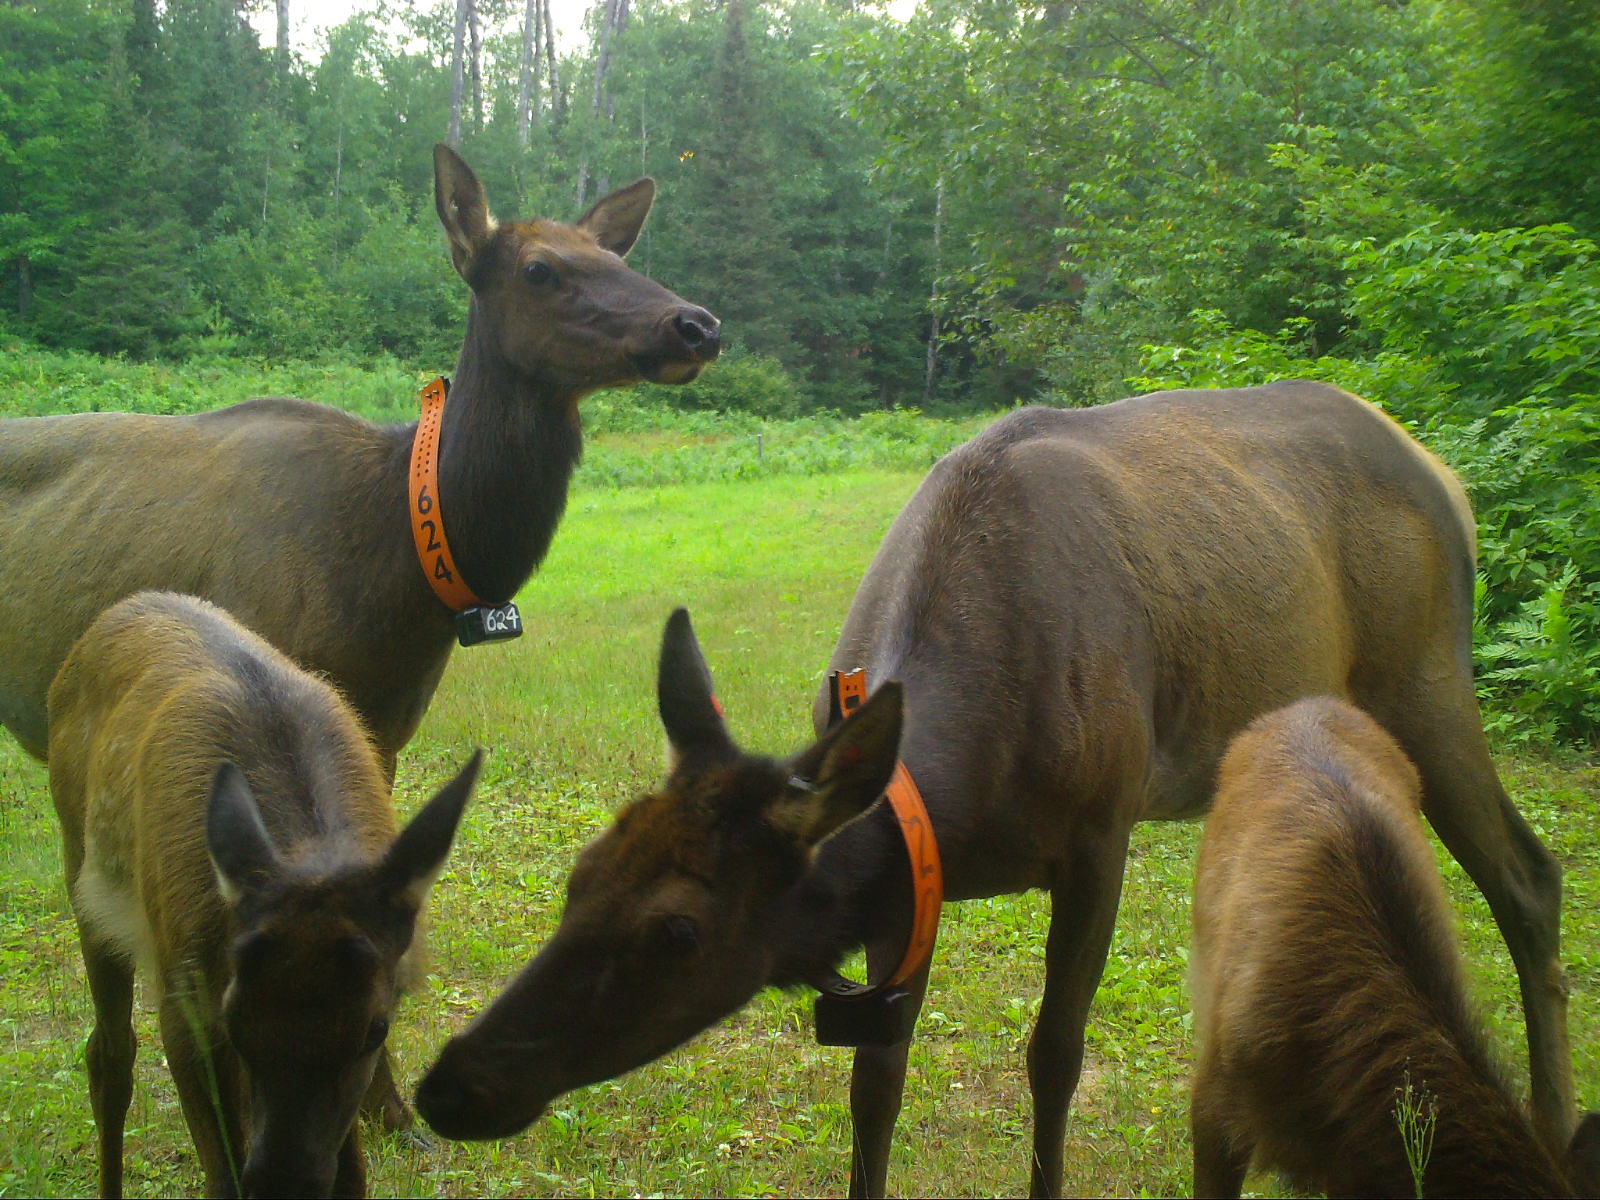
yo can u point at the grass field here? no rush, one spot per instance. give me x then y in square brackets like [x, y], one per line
[767, 566]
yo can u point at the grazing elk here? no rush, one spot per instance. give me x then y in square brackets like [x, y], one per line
[228, 830]
[294, 516]
[1082, 608]
[1326, 976]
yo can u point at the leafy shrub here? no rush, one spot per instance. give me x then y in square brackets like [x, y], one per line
[1532, 469]
[1499, 316]
[743, 382]
[688, 448]
[1534, 485]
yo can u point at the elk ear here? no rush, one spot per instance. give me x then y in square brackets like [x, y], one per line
[689, 711]
[616, 220]
[242, 853]
[417, 856]
[843, 775]
[463, 208]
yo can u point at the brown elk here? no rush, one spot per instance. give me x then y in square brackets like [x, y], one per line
[228, 830]
[1082, 608]
[293, 516]
[1326, 977]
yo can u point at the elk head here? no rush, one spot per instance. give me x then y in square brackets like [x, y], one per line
[561, 305]
[318, 963]
[676, 915]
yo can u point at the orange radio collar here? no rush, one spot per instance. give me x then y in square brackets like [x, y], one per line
[475, 621]
[882, 1014]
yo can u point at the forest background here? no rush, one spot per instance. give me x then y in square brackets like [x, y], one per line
[956, 209]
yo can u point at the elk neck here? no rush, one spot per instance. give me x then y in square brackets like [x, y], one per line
[857, 893]
[509, 445]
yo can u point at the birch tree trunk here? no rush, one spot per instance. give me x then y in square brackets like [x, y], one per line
[612, 21]
[457, 65]
[283, 38]
[475, 59]
[528, 83]
[933, 295]
[550, 60]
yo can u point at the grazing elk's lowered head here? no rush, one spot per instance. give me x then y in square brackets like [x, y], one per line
[228, 828]
[557, 303]
[676, 915]
[319, 962]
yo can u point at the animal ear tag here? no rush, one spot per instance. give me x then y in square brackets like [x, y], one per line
[488, 623]
[847, 691]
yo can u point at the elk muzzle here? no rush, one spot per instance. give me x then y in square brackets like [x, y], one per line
[687, 340]
[467, 1097]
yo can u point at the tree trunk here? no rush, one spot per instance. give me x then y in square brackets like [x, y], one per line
[528, 83]
[611, 24]
[283, 39]
[933, 295]
[475, 36]
[457, 66]
[556, 98]
[24, 287]
[338, 172]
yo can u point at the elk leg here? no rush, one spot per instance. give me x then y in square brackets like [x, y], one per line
[877, 1086]
[1518, 876]
[1220, 1163]
[350, 1178]
[383, 1102]
[110, 1052]
[1083, 914]
[205, 1071]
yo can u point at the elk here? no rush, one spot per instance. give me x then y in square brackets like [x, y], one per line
[228, 830]
[1326, 976]
[294, 516]
[1079, 608]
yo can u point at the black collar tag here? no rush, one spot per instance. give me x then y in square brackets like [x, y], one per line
[853, 1014]
[488, 623]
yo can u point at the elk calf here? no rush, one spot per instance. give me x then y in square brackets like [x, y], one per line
[227, 827]
[1326, 975]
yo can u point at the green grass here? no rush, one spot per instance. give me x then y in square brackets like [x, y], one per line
[767, 566]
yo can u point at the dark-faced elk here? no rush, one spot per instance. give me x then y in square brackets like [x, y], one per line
[228, 830]
[294, 516]
[1082, 608]
[1326, 981]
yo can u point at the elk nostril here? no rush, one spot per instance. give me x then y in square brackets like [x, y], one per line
[691, 331]
[698, 330]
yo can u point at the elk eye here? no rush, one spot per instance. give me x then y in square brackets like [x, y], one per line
[539, 273]
[376, 1032]
[681, 934]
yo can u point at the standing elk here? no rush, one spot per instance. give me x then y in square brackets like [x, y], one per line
[1082, 608]
[294, 516]
[228, 829]
[1326, 979]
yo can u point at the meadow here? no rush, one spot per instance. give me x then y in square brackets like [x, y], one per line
[766, 558]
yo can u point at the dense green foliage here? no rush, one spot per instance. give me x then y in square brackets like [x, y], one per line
[1400, 198]
[169, 191]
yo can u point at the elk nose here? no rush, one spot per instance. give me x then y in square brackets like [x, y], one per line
[700, 332]
[446, 1102]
